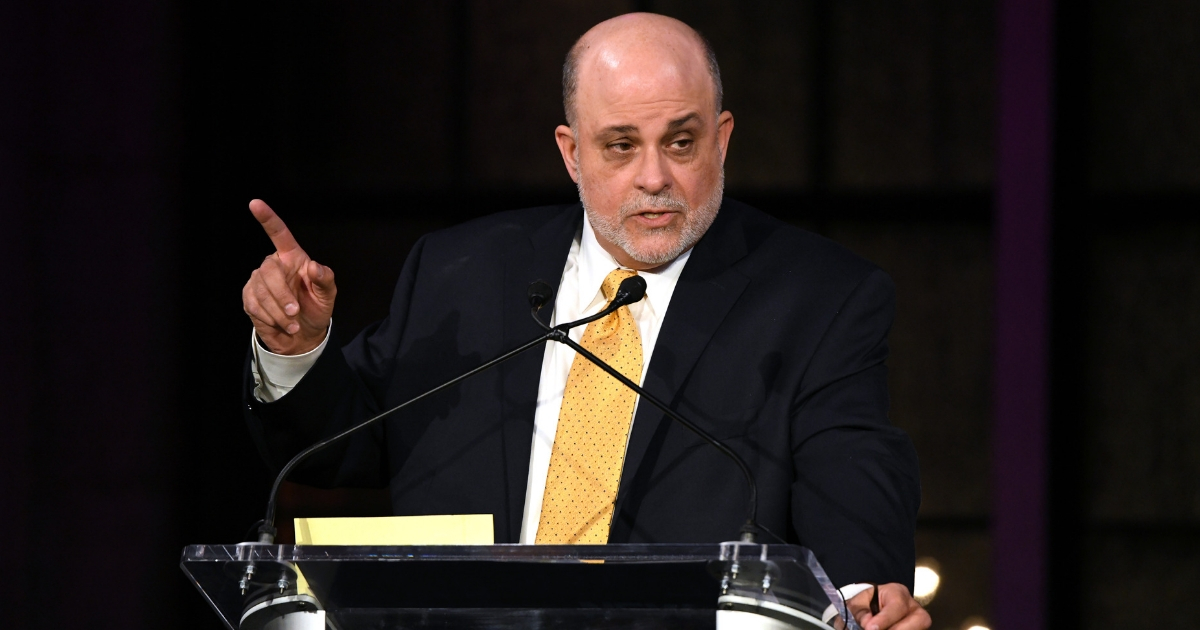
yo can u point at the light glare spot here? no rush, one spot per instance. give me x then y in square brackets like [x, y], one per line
[925, 584]
[974, 622]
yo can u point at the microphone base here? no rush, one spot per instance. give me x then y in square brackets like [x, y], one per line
[284, 612]
[758, 594]
[745, 613]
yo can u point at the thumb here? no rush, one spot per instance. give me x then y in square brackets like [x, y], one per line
[321, 278]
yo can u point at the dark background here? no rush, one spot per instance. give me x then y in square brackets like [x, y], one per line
[133, 132]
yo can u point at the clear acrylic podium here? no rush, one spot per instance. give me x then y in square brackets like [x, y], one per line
[729, 585]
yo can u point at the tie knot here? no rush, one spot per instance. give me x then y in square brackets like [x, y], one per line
[614, 280]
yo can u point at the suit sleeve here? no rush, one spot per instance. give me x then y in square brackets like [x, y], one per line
[341, 390]
[856, 485]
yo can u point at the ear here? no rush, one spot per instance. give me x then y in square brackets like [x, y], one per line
[569, 149]
[724, 130]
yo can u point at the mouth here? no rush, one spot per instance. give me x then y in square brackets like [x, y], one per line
[654, 219]
[653, 213]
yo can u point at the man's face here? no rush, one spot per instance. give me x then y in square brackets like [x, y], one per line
[647, 153]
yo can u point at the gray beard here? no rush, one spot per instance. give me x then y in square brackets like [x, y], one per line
[696, 223]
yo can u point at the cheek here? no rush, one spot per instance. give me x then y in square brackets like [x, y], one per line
[696, 184]
[605, 186]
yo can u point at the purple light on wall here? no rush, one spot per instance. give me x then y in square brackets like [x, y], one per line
[1020, 387]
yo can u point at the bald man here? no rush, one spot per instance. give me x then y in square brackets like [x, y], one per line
[772, 339]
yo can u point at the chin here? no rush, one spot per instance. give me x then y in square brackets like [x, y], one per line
[656, 249]
[660, 245]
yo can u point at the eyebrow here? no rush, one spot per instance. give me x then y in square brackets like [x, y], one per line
[618, 130]
[679, 122]
[671, 126]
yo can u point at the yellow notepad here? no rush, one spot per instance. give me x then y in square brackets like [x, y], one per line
[449, 529]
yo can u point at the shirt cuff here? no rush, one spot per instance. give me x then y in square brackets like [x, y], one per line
[848, 592]
[276, 374]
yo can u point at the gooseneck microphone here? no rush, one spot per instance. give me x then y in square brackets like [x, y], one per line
[631, 290]
[540, 293]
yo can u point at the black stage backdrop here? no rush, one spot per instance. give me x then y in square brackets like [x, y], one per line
[133, 133]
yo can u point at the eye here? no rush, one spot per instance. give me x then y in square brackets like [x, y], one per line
[682, 144]
[621, 146]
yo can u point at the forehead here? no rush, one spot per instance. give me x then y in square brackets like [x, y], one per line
[643, 82]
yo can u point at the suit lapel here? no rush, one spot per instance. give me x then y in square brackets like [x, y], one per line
[706, 290]
[541, 256]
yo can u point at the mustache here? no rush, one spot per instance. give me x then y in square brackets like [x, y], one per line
[662, 201]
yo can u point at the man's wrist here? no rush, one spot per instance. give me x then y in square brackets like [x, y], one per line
[848, 593]
[276, 374]
[290, 349]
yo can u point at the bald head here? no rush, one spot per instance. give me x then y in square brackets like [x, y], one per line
[638, 43]
[647, 138]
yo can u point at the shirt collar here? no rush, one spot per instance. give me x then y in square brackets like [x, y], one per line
[595, 263]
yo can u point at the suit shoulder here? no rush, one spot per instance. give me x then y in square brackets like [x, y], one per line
[823, 253]
[785, 247]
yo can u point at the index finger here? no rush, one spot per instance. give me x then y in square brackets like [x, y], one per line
[280, 235]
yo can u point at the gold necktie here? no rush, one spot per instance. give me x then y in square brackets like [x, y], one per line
[593, 426]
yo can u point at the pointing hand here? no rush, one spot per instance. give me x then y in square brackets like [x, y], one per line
[289, 298]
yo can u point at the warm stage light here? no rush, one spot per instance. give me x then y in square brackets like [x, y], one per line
[927, 580]
[974, 623]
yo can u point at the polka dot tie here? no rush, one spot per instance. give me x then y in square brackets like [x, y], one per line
[593, 426]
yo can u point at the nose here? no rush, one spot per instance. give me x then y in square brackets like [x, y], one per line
[654, 174]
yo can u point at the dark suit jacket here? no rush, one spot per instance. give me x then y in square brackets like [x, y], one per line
[774, 341]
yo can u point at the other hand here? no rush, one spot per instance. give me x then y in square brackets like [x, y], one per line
[897, 609]
[289, 298]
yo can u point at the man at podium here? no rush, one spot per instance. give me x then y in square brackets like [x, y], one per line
[772, 339]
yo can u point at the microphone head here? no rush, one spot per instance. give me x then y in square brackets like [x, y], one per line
[632, 290]
[540, 293]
